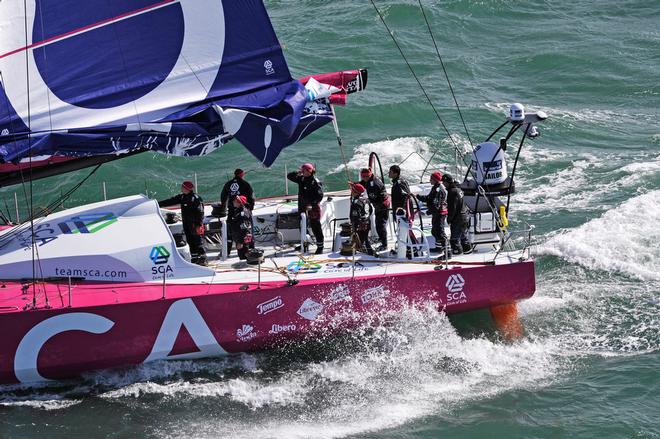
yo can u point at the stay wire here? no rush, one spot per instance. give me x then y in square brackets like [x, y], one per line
[412, 71]
[451, 89]
[29, 121]
[22, 227]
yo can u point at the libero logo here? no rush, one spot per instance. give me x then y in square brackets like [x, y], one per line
[159, 255]
[89, 223]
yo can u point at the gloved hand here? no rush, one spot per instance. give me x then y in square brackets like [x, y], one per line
[387, 202]
[248, 238]
[200, 229]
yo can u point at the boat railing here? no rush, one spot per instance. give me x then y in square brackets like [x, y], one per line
[517, 240]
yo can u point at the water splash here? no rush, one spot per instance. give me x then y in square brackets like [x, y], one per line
[623, 240]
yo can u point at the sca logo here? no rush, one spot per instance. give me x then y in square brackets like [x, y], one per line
[159, 256]
[302, 267]
[90, 223]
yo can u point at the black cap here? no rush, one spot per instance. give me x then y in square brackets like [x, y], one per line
[396, 169]
[448, 178]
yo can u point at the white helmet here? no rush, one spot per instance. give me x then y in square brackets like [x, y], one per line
[517, 113]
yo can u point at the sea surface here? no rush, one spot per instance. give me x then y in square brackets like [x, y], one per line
[589, 365]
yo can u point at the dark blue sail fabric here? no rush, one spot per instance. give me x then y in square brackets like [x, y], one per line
[182, 77]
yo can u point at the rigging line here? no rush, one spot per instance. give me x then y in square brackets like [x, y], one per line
[428, 98]
[451, 89]
[29, 121]
[456, 148]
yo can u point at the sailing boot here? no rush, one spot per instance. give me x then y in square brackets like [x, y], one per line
[242, 252]
[319, 249]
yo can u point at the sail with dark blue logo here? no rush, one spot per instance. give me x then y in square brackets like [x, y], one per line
[81, 79]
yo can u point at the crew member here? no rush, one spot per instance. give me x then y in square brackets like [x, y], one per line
[359, 216]
[436, 206]
[192, 216]
[310, 194]
[457, 216]
[234, 187]
[380, 201]
[241, 225]
[400, 193]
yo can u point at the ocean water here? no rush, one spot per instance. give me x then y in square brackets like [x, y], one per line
[589, 363]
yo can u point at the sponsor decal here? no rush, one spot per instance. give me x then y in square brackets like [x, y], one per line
[268, 65]
[246, 333]
[343, 267]
[303, 267]
[310, 309]
[43, 234]
[270, 305]
[159, 256]
[89, 223]
[340, 292]
[276, 329]
[455, 285]
[4, 132]
[375, 293]
[234, 188]
[182, 313]
[90, 272]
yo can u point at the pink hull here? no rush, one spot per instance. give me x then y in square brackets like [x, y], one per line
[112, 325]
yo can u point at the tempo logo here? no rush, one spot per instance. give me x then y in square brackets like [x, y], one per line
[455, 283]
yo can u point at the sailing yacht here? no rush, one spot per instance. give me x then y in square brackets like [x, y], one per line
[111, 284]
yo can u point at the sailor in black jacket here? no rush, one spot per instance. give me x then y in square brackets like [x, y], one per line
[436, 206]
[359, 214]
[457, 216]
[310, 194]
[400, 192]
[192, 216]
[241, 225]
[234, 187]
[380, 201]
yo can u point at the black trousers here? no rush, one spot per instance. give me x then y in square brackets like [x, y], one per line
[317, 230]
[381, 225]
[438, 230]
[197, 251]
[459, 239]
[364, 239]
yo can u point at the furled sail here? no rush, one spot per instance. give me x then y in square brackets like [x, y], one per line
[84, 81]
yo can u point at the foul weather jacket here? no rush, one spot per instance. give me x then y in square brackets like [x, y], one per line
[310, 190]
[377, 193]
[436, 200]
[457, 210]
[192, 209]
[235, 186]
[400, 193]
